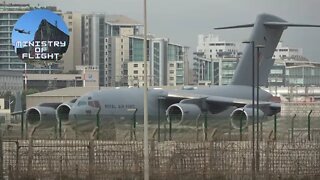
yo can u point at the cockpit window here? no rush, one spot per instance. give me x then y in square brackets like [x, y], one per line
[82, 103]
[94, 104]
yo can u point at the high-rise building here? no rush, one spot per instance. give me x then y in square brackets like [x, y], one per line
[166, 62]
[73, 56]
[93, 43]
[124, 56]
[9, 14]
[118, 30]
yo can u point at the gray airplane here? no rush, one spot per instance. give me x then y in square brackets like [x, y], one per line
[22, 31]
[187, 104]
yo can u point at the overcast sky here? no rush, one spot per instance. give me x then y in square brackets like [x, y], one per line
[183, 20]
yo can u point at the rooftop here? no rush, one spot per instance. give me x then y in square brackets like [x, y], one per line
[121, 20]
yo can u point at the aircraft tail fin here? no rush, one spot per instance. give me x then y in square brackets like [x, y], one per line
[267, 31]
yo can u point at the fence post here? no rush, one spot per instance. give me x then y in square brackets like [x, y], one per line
[10, 174]
[98, 123]
[205, 126]
[91, 159]
[27, 130]
[275, 127]
[133, 126]
[268, 158]
[241, 128]
[170, 128]
[60, 129]
[309, 123]
[1, 154]
[30, 150]
[77, 171]
[292, 127]
[56, 131]
[261, 129]
[229, 131]
[197, 129]
[153, 162]
[22, 123]
[60, 167]
[17, 159]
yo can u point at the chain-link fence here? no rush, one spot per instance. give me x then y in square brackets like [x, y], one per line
[284, 146]
[85, 159]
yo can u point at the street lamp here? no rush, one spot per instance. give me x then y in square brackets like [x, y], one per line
[160, 98]
[258, 120]
[253, 108]
[145, 99]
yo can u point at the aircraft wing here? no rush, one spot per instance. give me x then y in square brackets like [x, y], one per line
[239, 102]
[220, 101]
[268, 107]
[184, 95]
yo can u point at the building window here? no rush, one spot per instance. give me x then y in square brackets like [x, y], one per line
[135, 65]
[171, 65]
[171, 71]
[135, 72]
[171, 78]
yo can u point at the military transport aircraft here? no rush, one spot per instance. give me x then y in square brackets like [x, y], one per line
[118, 103]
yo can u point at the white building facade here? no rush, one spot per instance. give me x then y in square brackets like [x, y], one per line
[212, 47]
[285, 52]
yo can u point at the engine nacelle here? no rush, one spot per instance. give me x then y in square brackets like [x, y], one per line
[243, 116]
[62, 112]
[41, 116]
[183, 111]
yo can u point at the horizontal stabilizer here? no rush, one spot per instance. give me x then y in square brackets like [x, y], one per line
[286, 24]
[234, 27]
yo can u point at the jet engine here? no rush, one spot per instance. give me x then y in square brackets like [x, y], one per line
[42, 116]
[62, 112]
[183, 111]
[242, 116]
